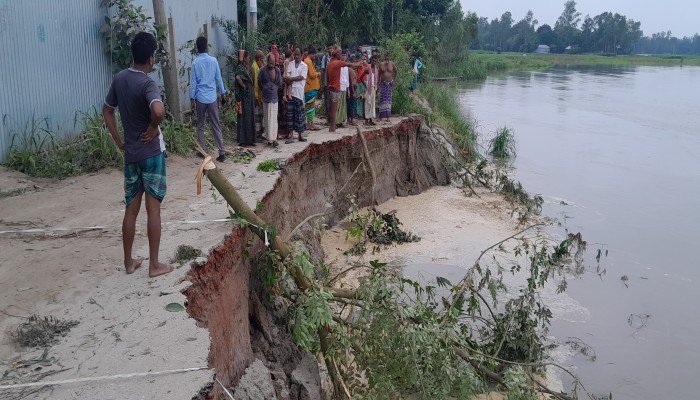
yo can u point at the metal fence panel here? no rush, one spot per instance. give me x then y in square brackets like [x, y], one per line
[52, 62]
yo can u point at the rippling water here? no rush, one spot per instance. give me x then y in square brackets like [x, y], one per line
[621, 147]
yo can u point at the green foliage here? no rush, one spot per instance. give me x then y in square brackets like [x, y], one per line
[178, 138]
[36, 152]
[312, 313]
[446, 113]
[386, 229]
[239, 37]
[269, 166]
[607, 32]
[515, 193]
[400, 336]
[243, 156]
[521, 389]
[119, 29]
[503, 143]
[403, 348]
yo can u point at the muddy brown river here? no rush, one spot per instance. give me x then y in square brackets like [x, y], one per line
[615, 153]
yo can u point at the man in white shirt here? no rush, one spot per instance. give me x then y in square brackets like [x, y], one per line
[295, 78]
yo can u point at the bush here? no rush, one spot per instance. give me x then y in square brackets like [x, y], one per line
[503, 143]
[178, 138]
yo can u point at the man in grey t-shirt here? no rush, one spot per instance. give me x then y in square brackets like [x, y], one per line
[141, 109]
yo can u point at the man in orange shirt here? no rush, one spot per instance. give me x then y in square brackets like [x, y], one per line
[313, 85]
[333, 70]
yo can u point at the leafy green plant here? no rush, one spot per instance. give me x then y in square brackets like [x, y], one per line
[269, 166]
[503, 143]
[120, 28]
[179, 138]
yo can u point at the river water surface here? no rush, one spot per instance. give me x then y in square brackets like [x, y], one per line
[616, 155]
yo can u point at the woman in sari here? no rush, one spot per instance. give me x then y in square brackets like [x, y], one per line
[245, 101]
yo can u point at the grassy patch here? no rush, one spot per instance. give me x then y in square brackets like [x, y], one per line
[178, 138]
[446, 113]
[35, 150]
[480, 64]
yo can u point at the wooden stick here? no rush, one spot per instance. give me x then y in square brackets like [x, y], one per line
[365, 155]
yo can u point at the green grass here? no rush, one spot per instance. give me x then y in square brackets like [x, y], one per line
[35, 150]
[503, 143]
[446, 113]
[480, 64]
[178, 138]
[616, 61]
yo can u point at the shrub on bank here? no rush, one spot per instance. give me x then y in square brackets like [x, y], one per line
[445, 112]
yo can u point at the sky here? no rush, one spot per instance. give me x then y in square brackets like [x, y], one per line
[678, 16]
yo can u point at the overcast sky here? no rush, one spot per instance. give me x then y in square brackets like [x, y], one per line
[678, 16]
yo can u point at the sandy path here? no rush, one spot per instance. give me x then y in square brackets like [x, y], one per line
[124, 327]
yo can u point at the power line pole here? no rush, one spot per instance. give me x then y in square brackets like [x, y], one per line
[252, 19]
[170, 81]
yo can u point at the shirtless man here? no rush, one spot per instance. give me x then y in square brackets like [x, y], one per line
[387, 75]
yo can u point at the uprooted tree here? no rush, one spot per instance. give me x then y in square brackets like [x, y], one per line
[393, 337]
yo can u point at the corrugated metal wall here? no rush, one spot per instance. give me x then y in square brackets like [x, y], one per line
[52, 63]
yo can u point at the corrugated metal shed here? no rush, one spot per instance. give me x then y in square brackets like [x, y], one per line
[52, 63]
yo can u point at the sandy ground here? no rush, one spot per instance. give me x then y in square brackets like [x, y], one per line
[123, 327]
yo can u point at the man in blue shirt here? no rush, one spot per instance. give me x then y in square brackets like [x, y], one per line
[205, 79]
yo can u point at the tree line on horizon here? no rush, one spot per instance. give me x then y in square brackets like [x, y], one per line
[444, 28]
[606, 33]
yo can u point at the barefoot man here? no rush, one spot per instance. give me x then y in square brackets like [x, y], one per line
[141, 109]
[387, 75]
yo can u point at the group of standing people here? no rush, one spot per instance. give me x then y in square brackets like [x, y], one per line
[349, 81]
[352, 82]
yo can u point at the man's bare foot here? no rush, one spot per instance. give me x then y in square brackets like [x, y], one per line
[132, 265]
[159, 269]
